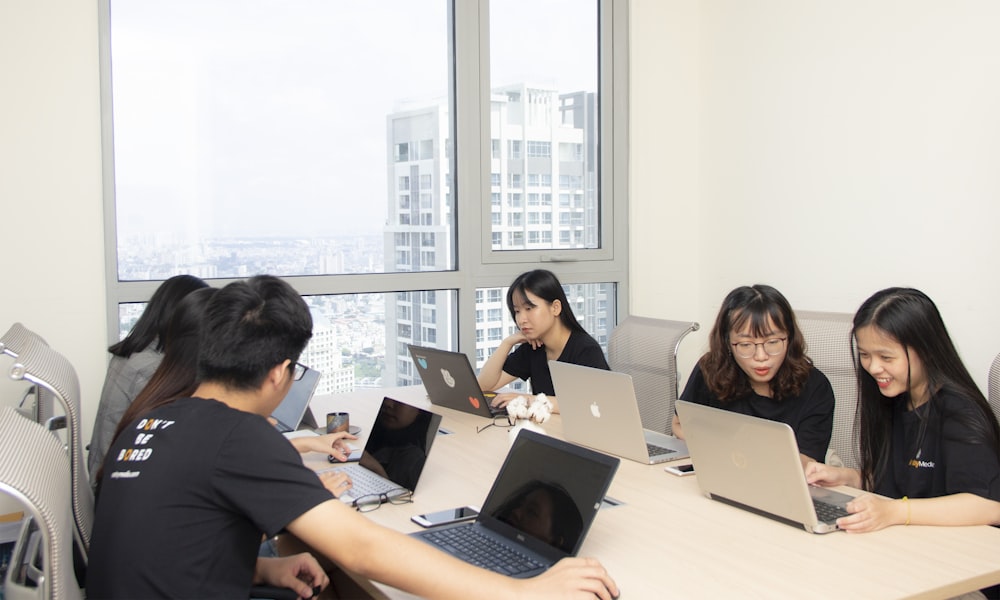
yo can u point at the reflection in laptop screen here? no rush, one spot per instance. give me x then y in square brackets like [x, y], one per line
[544, 492]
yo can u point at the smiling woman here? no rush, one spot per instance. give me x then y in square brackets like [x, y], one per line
[926, 431]
[757, 365]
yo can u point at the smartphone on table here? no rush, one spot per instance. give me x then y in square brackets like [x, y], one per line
[443, 517]
[681, 470]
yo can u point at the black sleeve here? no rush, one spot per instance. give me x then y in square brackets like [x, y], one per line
[259, 471]
[815, 426]
[970, 462]
[518, 362]
[695, 390]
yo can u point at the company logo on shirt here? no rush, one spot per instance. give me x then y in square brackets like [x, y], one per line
[921, 464]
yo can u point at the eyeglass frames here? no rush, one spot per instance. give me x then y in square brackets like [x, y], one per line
[298, 370]
[772, 347]
[374, 501]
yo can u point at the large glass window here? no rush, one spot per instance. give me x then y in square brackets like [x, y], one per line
[250, 137]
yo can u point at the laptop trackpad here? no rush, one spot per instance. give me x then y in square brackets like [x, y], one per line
[829, 496]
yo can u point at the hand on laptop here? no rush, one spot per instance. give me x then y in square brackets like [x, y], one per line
[333, 444]
[337, 482]
[824, 475]
[577, 574]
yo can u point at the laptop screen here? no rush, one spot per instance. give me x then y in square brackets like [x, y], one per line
[549, 490]
[289, 412]
[399, 442]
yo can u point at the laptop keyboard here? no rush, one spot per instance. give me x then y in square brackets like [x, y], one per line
[365, 482]
[468, 544]
[829, 513]
[658, 450]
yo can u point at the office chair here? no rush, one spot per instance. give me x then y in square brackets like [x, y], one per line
[993, 392]
[11, 344]
[646, 349]
[55, 378]
[828, 344]
[34, 469]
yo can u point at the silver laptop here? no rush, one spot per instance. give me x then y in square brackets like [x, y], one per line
[398, 445]
[541, 475]
[294, 408]
[599, 410]
[754, 464]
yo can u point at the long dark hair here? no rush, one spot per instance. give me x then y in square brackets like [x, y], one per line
[546, 286]
[754, 304]
[911, 318]
[152, 324]
[176, 376]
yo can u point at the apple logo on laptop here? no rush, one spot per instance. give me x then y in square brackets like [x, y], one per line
[422, 362]
[448, 378]
[595, 410]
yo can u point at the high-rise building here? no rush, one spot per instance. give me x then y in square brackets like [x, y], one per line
[543, 194]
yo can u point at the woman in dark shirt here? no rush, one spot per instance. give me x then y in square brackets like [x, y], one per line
[926, 431]
[757, 365]
[547, 330]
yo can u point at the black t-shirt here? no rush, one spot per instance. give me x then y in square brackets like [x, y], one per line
[186, 494]
[949, 457]
[810, 414]
[526, 362]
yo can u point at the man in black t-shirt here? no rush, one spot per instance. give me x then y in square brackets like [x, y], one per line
[189, 489]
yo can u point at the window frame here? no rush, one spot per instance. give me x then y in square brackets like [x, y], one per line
[477, 264]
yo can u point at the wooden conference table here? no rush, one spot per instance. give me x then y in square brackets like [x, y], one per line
[666, 538]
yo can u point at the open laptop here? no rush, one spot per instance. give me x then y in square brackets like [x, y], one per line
[450, 381]
[398, 445]
[599, 410]
[294, 409]
[754, 464]
[541, 475]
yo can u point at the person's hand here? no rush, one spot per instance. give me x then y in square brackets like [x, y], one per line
[824, 475]
[871, 513]
[572, 578]
[299, 572]
[335, 481]
[519, 338]
[502, 400]
[333, 444]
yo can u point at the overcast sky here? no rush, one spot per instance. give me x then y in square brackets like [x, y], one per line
[253, 117]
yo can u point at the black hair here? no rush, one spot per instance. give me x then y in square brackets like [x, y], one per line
[250, 327]
[176, 376]
[152, 324]
[754, 304]
[546, 286]
[912, 319]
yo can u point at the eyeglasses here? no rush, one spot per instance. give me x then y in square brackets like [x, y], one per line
[773, 347]
[499, 420]
[374, 501]
[298, 370]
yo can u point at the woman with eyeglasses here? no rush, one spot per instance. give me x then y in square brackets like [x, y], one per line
[757, 365]
[926, 431]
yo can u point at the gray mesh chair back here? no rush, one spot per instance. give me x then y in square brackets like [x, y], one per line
[34, 469]
[993, 392]
[11, 344]
[55, 376]
[646, 349]
[828, 344]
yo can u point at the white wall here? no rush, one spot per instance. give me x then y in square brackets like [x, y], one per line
[51, 228]
[842, 147]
